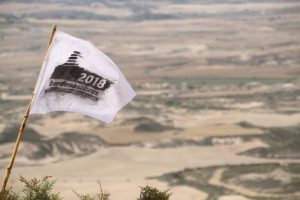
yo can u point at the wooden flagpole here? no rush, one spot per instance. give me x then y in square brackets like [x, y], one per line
[21, 130]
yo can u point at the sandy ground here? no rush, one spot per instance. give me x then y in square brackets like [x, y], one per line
[195, 126]
[123, 169]
[233, 197]
[180, 192]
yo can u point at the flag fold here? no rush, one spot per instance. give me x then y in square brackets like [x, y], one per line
[77, 77]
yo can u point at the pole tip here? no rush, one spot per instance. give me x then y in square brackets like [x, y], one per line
[54, 26]
[52, 34]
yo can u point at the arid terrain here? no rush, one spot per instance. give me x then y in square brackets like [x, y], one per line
[217, 116]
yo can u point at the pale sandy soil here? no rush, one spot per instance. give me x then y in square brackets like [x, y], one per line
[180, 193]
[233, 197]
[195, 126]
[6, 96]
[67, 122]
[122, 169]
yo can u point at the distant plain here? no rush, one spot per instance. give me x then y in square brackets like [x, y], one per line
[217, 81]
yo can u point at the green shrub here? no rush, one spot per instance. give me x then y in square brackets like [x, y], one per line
[151, 126]
[34, 190]
[151, 193]
[37, 190]
[43, 190]
[8, 194]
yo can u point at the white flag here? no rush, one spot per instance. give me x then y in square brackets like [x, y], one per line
[77, 77]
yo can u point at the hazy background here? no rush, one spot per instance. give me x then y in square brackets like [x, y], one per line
[218, 107]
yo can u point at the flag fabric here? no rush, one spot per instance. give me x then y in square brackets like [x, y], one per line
[77, 77]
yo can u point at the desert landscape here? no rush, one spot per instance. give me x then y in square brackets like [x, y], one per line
[217, 115]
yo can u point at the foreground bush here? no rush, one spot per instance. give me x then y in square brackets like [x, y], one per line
[9, 195]
[151, 193]
[38, 190]
[43, 190]
[34, 190]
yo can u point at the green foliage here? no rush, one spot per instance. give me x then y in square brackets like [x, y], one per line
[151, 126]
[43, 190]
[200, 181]
[99, 196]
[151, 193]
[174, 103]
[293, 168]
[10, 195]
[234, 171]
[282, 143]
[37, 190]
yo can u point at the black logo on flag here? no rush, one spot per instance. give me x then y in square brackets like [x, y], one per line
[71, 78]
